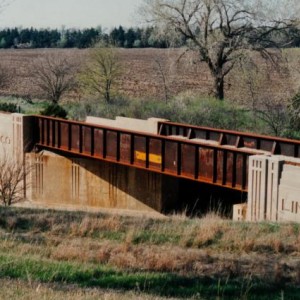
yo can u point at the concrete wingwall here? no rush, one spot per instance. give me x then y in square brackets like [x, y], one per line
[80, 182]
[274, 189]
[16, 133]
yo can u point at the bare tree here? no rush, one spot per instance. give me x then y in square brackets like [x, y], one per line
[221, 29]
[101, 72]
[275, 116]
[12, 180]
[55, 75]
[163, 77]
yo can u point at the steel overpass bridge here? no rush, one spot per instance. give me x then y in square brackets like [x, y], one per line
[201, 154]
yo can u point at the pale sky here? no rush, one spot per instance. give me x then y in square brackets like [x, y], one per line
[69, 13]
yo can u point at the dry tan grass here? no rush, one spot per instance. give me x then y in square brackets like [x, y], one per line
[210, 246]
[88, 225]
[27, 290]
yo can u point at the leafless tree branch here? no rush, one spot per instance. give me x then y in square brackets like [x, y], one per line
[55, 75]
[220, 30]
[12, 179]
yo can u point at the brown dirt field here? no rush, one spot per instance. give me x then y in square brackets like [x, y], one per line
[142, 78]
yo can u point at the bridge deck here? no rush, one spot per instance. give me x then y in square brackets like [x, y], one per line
[207, 155]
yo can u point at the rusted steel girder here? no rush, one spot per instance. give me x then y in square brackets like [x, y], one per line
[241, 140]
[203, 160]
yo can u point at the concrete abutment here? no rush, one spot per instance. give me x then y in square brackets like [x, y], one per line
[80, 182]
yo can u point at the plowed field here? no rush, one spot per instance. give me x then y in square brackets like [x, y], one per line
[144, 69]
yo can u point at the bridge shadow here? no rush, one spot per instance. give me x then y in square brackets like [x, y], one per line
[77, 181]
[116, 186]
[112, 185]
[198, 199]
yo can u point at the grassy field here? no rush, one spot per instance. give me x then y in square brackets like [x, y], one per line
[90, 255]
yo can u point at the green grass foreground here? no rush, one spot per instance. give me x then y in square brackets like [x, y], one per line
[163, 284]
[173, 257]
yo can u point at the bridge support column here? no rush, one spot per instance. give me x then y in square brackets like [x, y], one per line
[273, 190]
[257, 188]
[275, 164]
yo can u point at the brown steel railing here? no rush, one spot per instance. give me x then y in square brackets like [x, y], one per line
[176, 156]
[274, 145]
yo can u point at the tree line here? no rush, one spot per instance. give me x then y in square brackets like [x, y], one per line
[86, 38]
[79, 38]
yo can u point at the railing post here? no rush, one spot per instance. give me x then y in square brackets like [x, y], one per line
[179, 158]
[245, 170]
[215, 165]
[147, 151]
[80, 139]
[59, 134]
[104, 145]
[118, 146]
[132, 149]
[53, 122]
[196, 162]
[234, 170]
[224, 175]
[70, 136]
[42, 131]
[163, 149]
[92, 141]
[48, 131]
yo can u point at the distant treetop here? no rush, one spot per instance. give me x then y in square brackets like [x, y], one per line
[22, 38]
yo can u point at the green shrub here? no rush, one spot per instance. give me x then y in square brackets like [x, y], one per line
[190, 109]
[9, 107]
[54, 110]
[185, 109]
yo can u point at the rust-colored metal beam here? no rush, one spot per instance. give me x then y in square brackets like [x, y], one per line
[208, 161]
[273, 145]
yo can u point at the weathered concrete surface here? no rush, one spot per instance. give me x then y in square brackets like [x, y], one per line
[257, 188]
[81, 182]
[274, 189]
[239, 212]
[289, 193]
[16, 133]
[147, 126]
